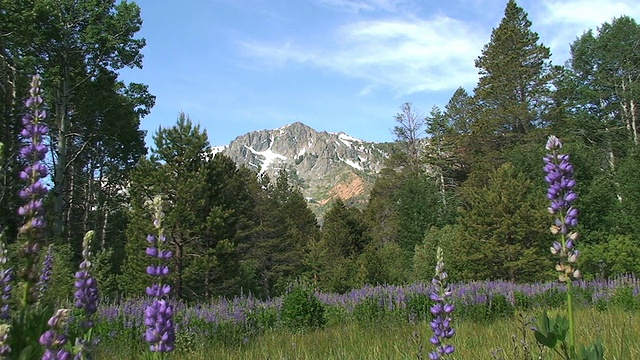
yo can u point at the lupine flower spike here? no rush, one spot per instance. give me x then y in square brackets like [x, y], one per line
[45, 273]
[559, 176]
[441, 324]
[86, 297]
[55, 339]
[33, 152]
[6, 277]
[158, 316]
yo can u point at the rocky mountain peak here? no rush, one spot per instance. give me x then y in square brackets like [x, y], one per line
[325, 165]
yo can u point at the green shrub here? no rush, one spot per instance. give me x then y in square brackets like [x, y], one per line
[582, 296]
[522, 301]
[497, 307]
[623, 299]
[335, 315]
[552, 298]
[302, 310]
[262, 318]
[419, 306]
[500, 307]
[370, 310]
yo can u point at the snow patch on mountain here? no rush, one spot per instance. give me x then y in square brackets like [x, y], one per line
[352, 164]
[348, 140]
[269, 157]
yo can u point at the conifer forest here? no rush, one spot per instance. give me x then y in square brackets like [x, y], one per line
[518, 198]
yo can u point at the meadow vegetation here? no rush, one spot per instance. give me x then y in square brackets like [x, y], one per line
[174, 254]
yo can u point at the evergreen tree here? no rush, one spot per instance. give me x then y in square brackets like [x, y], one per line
[381, 213]
[198, 224]
[419, 208]
[285, 229]
[334, 260]
[503, 229]
[513, 91]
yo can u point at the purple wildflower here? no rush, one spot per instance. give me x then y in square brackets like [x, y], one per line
[441, 310]
[158, 316]
[86, 294]
[86, 297]
[33, 152]
[54, 339]
[46, 272]
[6, 277]
[559, 176]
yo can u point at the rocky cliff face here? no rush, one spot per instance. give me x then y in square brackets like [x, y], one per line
[325, 165]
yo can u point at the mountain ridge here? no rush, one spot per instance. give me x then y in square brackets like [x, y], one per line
[324, 165]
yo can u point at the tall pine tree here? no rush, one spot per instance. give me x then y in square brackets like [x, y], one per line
[513, 92]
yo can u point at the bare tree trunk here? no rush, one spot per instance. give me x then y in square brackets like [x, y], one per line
[60, 184]
[70, 198]
[634, 120]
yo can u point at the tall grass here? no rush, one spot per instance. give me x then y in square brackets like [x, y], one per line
[499, 339]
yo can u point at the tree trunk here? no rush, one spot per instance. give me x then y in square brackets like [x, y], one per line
[59, 190]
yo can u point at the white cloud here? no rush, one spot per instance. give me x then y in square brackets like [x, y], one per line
[561, 22]
[586, 13]
[356, 6]
[407, 56]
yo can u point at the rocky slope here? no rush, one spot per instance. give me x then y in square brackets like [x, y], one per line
[324, 165]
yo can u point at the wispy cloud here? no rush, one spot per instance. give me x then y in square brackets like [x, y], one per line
[588, 12]
[563, 21]
[407, 56]
[357, 6]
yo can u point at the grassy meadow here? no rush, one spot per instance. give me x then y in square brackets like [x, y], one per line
[493, 320]
[501, 339]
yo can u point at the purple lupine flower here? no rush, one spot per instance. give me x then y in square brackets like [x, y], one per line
[158, 316]
[54, 339]
[46, 272]
[33, 152]
[559, 176]
[441, 310]
[6, 277]
[86, 294]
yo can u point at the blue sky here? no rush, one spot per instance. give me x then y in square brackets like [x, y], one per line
[237, 66]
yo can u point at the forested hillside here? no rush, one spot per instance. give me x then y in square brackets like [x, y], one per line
[468, 177]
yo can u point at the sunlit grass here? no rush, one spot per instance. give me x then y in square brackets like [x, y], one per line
[619, 330]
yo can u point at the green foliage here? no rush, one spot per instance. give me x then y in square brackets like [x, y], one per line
[624, 299]
[616, 255]
[60, 288]
[418, 205]
[27, 325]
[605, 70]
[550, 299]
[521, 301]
[210, 211]
[334, 259]
[103, 272]
[552, 333]
[286, 228]
[513, 89]
[263, 318]
[369, 311]
[419, 306]
[302, 310]
[386, 264]
[503, 229]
